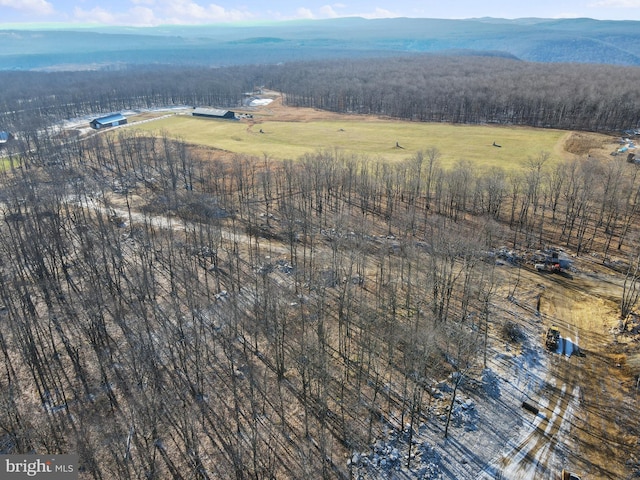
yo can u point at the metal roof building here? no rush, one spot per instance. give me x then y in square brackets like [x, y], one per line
[108, 121]
[213, 113]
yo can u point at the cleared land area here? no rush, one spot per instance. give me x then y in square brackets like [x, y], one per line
[389, 139]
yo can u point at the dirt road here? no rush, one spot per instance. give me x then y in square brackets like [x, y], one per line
[579, 426]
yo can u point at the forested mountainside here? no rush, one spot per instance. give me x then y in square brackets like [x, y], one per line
[458, 89]
[540, 40]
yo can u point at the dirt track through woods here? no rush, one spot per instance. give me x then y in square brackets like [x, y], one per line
[579, 424]
[578, 427]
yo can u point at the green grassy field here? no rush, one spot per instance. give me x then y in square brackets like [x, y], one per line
[374, 139]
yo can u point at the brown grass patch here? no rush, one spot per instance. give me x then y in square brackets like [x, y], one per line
[585, 143]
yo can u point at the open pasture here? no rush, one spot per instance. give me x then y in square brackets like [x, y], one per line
[374, 138]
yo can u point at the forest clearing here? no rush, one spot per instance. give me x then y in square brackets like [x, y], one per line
[282, 132]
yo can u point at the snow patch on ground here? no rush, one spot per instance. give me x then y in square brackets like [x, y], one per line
[491, 383]
[388, 458]
[260, 102]
[487, 425]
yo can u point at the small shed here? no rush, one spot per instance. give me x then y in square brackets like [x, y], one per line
[108, 121]
[214, 113]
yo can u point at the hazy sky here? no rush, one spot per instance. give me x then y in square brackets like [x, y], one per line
[155, 12]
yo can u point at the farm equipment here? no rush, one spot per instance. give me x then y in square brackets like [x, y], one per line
[552, 338]
[566, 475]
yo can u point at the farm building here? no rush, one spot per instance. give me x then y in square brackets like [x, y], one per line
[108, 121]
[214, 113]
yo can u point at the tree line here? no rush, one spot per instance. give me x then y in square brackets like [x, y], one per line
[32, 100]
[469, 89]
[459, 89]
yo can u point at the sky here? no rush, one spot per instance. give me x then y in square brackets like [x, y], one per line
[163, 12]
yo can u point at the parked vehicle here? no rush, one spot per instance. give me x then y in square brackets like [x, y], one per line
[548, 267]
[552, 338]
[552, 264]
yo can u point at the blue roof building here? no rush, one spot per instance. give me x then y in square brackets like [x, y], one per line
[108, 121]
[4, 137]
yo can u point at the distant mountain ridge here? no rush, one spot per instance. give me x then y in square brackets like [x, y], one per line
[581, 40]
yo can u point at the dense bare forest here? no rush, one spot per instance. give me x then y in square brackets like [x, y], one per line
[172, 312]
[458, 89]
[471, 90]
